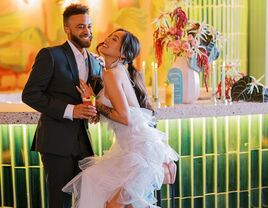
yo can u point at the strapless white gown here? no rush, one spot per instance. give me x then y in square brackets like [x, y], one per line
[133, 165]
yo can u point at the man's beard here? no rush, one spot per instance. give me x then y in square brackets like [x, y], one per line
[80, 43]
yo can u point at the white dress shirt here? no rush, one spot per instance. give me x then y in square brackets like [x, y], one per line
[82, 65]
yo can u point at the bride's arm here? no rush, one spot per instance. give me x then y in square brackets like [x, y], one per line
[114, 91]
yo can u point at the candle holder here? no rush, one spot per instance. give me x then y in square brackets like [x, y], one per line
[154, 81]
[223, 97]
[214, 82]
[155, 102]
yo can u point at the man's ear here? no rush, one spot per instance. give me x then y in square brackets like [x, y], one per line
[67, 30]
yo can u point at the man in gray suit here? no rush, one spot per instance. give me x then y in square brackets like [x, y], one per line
[61, 135]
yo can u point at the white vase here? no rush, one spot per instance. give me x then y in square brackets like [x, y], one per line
[190, 80]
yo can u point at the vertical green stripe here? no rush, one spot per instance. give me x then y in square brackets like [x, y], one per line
[215, 160]
[24, 128]
[227, 156]
[12, 153]
[260, 158]
[1, 168]
[204, 159]
[192, 160]
[249, 161]
[238, 161]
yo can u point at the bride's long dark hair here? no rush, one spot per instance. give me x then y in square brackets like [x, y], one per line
[130, 49]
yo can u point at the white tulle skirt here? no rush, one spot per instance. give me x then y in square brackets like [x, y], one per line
[132, 167]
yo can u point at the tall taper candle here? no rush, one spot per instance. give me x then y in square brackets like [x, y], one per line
[152, 65]
[154, 81]
[214, 78]
[223, 81]
[143, 70]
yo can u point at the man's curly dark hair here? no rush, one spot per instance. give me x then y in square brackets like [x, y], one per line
[74, 9]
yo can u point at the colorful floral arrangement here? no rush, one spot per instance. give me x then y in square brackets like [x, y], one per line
[232, 76]
[195, 40]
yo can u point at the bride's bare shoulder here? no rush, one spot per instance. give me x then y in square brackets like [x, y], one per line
[112, 75]
[114, 72]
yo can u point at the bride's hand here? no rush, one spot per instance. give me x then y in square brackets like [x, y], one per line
[85, 90]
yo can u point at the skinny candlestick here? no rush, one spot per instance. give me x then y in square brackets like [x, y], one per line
[152, 65]
[155, 81]
[214, 81]
[223, 82]
[143, 70]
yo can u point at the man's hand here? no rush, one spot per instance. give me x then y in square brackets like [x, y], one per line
[83, 111]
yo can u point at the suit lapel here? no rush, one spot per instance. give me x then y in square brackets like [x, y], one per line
[89, 67]
[94, 73]
[72, 62]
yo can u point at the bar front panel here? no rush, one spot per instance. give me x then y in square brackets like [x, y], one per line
[223, 162]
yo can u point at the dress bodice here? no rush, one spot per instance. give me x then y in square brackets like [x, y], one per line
[139, 117]
[103, 99]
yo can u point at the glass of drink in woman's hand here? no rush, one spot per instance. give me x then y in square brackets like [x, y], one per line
[89, 100]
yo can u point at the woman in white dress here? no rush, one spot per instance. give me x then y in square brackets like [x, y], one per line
[140, 160]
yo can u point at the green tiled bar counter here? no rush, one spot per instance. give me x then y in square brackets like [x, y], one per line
[223, 149]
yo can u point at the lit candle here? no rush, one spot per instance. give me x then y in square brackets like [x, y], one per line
[214, 78]
[154, 81]
[152, 65]
[223, 81]
[169, 96]
[143, 70]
